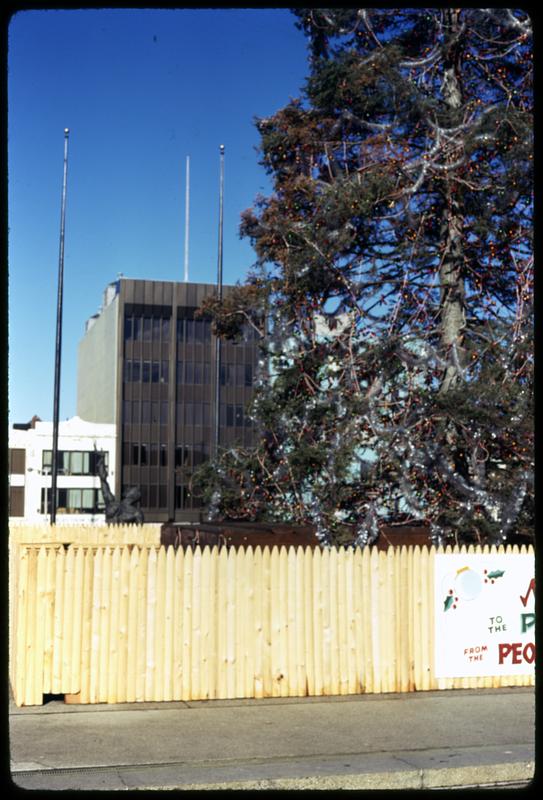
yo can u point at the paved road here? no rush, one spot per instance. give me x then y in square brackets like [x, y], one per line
[430, 739]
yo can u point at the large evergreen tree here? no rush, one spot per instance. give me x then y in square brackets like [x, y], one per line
[394, 276]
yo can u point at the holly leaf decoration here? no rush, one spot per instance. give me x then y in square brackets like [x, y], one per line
[496, 574]
[448, 602]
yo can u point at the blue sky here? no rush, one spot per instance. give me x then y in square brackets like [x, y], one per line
[140, 90]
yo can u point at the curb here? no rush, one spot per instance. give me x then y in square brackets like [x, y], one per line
[512, 775]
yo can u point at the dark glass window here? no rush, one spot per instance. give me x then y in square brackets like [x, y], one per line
[73, 501]
[127, 376]
[165, 329]
[165, 371]
[198, 374]
[136, 328]
[127, 328]
[147, 327]
[144, 450]
[135, 454]
[178, 455]
[229, 415]
[163, 455]
[155, 372]
[154, 413]
[248, 374]
[189, 372]
[239, 415]
[146, 373]
[153, 454]
[73, 462]
[136, 371]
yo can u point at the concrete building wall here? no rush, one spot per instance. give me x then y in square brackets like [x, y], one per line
[97, 367]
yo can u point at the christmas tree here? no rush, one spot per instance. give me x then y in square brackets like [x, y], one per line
[393, 286]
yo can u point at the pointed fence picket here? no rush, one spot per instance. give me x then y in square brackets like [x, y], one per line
[130, 622]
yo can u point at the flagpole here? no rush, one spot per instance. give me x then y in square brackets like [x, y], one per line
[58, 342]
[219, 295]
[187, 198]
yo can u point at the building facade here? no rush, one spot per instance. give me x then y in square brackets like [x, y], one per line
[147, 364]
[79, 497]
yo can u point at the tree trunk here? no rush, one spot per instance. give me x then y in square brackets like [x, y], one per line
[452, 299]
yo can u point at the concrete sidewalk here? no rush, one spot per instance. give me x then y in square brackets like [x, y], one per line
[422, 740]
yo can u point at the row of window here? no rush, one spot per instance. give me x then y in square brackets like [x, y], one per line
[157, 329]
[188, 414]
[147, 329]
[146, 411]
[74, 501]
[146, 371]
[152, 455]
[187, 372]
[73, 462]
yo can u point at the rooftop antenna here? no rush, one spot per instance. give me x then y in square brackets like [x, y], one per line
[58, 342]
[187, 191]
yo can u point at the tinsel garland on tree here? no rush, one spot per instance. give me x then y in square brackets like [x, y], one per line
[394, 281]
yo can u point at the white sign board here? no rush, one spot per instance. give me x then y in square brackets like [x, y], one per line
[484, 615]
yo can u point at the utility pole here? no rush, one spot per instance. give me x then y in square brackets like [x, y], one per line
[219, 295]
[58, 342]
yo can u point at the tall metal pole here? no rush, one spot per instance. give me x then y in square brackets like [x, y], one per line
[219, 294]
[58, 343]
[187, 183]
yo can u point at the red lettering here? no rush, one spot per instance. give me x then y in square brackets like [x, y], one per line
[503, 651]
[531, 588]
[517, 652]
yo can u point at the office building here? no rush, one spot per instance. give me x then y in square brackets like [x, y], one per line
[147, 364]
[79, 498]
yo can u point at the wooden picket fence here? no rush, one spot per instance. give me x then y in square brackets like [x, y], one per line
[136, 622]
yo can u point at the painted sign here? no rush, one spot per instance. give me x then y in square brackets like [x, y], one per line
[484, 615]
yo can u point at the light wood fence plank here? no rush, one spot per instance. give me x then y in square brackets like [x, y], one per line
[250, 637]
[187, 625]
[75, 656]
[376, 618]
[168, 665]
[86, 624]
[258, 623]
[240, 626]
[141, 642]
[160, 634]
[58, 635]
[292, 665]
[94, 662]
[230, 643]
[300, 622]
[195, 624]
[178, 633]
[333, 620]
[267, 661]
[309, 622]
[222, 602]
[358, 620]
[114, 611]
[105, 622]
